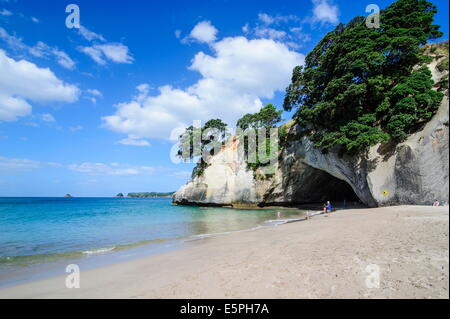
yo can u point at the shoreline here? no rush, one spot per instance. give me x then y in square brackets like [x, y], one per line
[26, 269]
[318, 258]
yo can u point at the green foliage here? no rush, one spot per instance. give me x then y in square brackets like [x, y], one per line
[358, 87]
[413, 103]
[197, 141]
[268, 117]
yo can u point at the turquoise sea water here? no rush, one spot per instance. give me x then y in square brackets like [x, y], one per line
[46, 229]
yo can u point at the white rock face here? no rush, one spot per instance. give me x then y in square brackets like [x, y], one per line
[227, 181]
[413, 172]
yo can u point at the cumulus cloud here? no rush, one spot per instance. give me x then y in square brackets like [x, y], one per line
[22, 81]
[115, 170]
[233, 81]
[203, 32]
[325, 12]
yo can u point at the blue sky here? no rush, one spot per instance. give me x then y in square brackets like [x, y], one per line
[90, 111]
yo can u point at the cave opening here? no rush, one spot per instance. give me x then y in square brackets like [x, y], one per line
[311, 188]
[325, 187]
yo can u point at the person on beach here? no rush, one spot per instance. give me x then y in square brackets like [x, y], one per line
[436, 204]
[328, 207]
[325, 210]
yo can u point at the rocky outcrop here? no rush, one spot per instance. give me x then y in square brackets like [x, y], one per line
[226, 181]
[413, 172]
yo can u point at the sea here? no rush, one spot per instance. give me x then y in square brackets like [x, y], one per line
[39, 237]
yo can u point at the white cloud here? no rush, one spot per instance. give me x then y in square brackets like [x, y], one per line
[277, 28]
[134, 141]
[6, 13]
[43, 50]
[268, 19]
[75, 128]
[40, 50]
[115, 52]
[22, 81]
[94, 54]
[106, 51]
[325, 12]
[11, 108]
[269, 33]
[90, 35]
[265, 18]
[63, 59]
[203, 32]
[117, 170]
[12, 41]
[234, 80]
[47, 117]
[35, 20]
[93, 95]
[17, 164]
[177, 34]
[8, 164]
[94, 92]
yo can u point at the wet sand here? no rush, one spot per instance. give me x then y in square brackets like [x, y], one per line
[324, 257]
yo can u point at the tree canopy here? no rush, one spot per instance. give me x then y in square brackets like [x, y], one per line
[196, 141]
[268, 117]
[359, 87]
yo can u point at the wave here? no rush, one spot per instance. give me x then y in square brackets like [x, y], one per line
[26, 260]
[99, 251]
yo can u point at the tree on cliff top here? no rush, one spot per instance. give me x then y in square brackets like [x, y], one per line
[359, 87]
[268, 117]
[195, 141]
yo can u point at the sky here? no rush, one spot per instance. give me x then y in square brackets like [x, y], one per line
[93, 111]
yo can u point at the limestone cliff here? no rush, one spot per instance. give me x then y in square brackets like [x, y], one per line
[413, 172]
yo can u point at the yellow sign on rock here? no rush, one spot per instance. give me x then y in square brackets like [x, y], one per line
[385, 192]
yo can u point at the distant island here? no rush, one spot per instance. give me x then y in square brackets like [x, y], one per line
[68, 196]
[150, 194]
[119, 195]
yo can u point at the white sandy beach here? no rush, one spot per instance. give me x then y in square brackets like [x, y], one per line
[319, 258]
